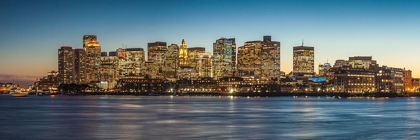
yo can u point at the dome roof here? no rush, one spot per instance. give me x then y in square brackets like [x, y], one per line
[93, 43]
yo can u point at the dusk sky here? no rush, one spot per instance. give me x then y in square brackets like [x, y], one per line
[31, 32]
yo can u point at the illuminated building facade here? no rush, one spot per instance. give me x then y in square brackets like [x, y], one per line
[224, 57]
[108, 70]
[93, 56]
[131, 61]
[183, 56]
[153, 70]
[303, 61]
[87, 39]
[259, 59]
[156, 52]
[80, 66]
[361, 62]
[390, 80]
[142, 85]
[205, 64]
[408, 80]
[171, 62]
[66, 64]
[353, 80]
[193, 60]
[323, 69]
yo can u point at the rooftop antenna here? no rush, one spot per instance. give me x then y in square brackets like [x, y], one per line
[302, 40]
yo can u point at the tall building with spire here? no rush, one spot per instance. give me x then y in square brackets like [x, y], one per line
[303, 61]
[183, 56]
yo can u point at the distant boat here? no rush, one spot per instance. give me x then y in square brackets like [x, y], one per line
[18, 93]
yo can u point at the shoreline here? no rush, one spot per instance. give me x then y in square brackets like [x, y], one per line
[244, 94]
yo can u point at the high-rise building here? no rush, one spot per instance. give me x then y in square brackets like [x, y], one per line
[205, 64]
[131, 62]
[171, 62]
[93, 56]
[183, 56]
[224, 57]
[80, 66]
[193, 60]
[303, 61]
[156, 52]
[408, 80]
[260, 59]
[108, 72]
[87, 39]
[66, 64]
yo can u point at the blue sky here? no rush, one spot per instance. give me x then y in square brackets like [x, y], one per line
[32, 31]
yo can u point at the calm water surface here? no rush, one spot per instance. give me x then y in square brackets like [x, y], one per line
[165, 117]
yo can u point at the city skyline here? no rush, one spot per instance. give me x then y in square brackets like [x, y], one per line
[28, 46]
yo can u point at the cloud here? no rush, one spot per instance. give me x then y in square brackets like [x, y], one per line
[18, 77]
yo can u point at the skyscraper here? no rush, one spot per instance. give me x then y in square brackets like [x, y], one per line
[93, 56]
[259, 59]
[87, 39]
[224, 53]
[183, 56]
[171, 62]
[156, 52]
[205, 64]
[65, 64]
[193, 60]
[303, 61]
[80, 66]
[108, 70]
[131, 61]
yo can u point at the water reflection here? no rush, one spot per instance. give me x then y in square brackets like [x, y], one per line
[130, 117]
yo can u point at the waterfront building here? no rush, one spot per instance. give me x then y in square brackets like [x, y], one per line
[66, 64]
[390, 80]
[171, 62]
[48, 83]
[108, 72]
[303, 61]
[131, 62]
[353, 80]
[193, 60]
[257, 85]
[205, 64]
[201, 85]
[408, 80]
[416, 84]
[259, 59]
[229, 84]
[142, 85]
[87, 39]
[224, 57]
[183, 54]
[93, 56]
[80, 66]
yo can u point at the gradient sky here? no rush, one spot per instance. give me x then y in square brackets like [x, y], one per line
[32, 31]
